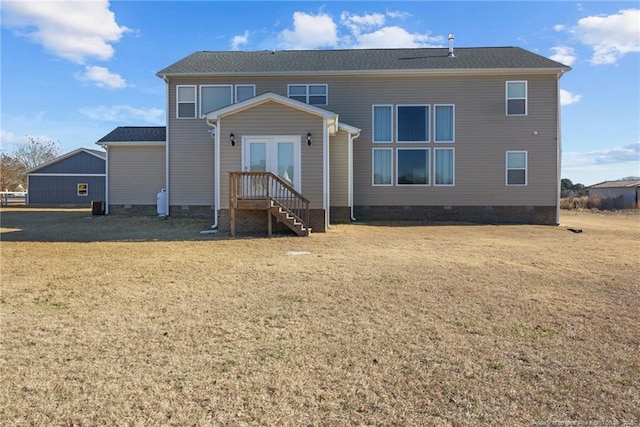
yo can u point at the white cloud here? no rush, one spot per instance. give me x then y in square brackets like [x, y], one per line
[559, 27]
[395, 37]
[610, 36]
[102, 77]
[629, 153]
[7, 137]
[358, 23]
[237, 41]
[564, 54]
[75, 30]
[310, 32]
[568, 98]
[124, 114]
[396, 14]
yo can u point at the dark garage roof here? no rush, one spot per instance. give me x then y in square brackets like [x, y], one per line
[617, 184]
[135, 134]
[359, 60]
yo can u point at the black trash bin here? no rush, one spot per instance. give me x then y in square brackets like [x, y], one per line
[97, 207]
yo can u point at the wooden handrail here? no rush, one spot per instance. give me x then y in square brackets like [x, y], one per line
[269, 187]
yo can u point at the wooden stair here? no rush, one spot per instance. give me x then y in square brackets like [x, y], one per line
[282, 216]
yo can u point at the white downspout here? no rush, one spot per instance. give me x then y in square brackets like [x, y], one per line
[558, 148]
[106, 181]
[325, 159]
[350, 172]
[166, 152]
[216, 176]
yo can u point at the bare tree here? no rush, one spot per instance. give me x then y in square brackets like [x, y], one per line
[11, 173]
[36, 151]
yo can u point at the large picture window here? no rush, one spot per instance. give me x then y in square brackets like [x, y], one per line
[186, 102]
[382, 166]
[516, 168]
[517, 98]
[444, 166]
[214, 97]
[413, 123]
[413, 166]
[382, 123]
[444, 123]
[314, 94]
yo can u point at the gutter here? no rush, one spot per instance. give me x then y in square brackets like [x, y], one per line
[559, 146]
[166, 151]
[350, 173]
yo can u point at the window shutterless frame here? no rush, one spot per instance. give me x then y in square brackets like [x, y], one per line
[412, 167]
[516, 102]
[214, 97]
[313, 94]
[186, 101]
[444, 123]
[382, 167]
[516, 168]
[413, 123]
[444, 169]
[243, 92]
[382, 123]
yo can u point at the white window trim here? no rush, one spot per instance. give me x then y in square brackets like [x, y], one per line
[203, 114]
[507, 169]
[526, 98]
[195, 101]
[428, 166]
[429, 127]
[373, 169]
[373, 123]
[307, 85]
[78, 189]
[435, 184]
[435, 123]
[235, 92]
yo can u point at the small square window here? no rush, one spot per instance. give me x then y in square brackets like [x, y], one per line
[413, 123]
[413, 166]
[245, 92]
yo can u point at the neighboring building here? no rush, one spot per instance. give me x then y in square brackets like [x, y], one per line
[614, 195]
[379, 134]
[73, 179]
[136, 168]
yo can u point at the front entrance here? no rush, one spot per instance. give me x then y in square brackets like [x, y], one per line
[277, 154]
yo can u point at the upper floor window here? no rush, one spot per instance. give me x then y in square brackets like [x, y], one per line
[444, 123]
[245, 92]
[214, 97]
[516, 168]
[382, 123]
[315, 94]
[413, 123]
[517, 98]
[186, 102]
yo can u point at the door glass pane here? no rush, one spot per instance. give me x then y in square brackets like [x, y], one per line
[285, 165]
[258, 157]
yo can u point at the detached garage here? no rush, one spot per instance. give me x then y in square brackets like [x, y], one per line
[73, 179]
[614, 194]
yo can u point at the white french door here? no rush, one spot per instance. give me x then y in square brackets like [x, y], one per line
[277, 154]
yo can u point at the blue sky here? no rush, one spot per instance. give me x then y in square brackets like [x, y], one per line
[73, 71]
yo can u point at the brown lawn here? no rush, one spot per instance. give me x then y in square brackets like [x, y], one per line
[142, 321]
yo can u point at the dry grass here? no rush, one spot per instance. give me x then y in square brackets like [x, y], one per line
[141, 321]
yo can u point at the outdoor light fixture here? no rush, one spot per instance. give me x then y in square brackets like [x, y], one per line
[232, 138]
[309, 139]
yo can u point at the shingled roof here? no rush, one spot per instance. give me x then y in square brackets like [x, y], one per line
[360, 61]
[135, 134]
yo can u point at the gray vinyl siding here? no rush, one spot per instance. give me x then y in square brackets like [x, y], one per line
[79, 163]
[274, 119]
[136, 174]
[483, 135]
[63, 190]
[339, 169]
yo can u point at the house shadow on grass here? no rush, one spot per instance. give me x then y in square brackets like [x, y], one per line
[78, 225]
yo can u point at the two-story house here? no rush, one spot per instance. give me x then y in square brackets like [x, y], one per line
[310, 138]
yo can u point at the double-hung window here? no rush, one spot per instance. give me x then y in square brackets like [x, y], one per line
[382, 123]
[314, 94]
[413, 123]
[517, 98]
[444, 166]
[382, 166]
[186, 102]
[214, 97]
[444, 123]
[413, 166]
[245, 92]
[516, 168]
